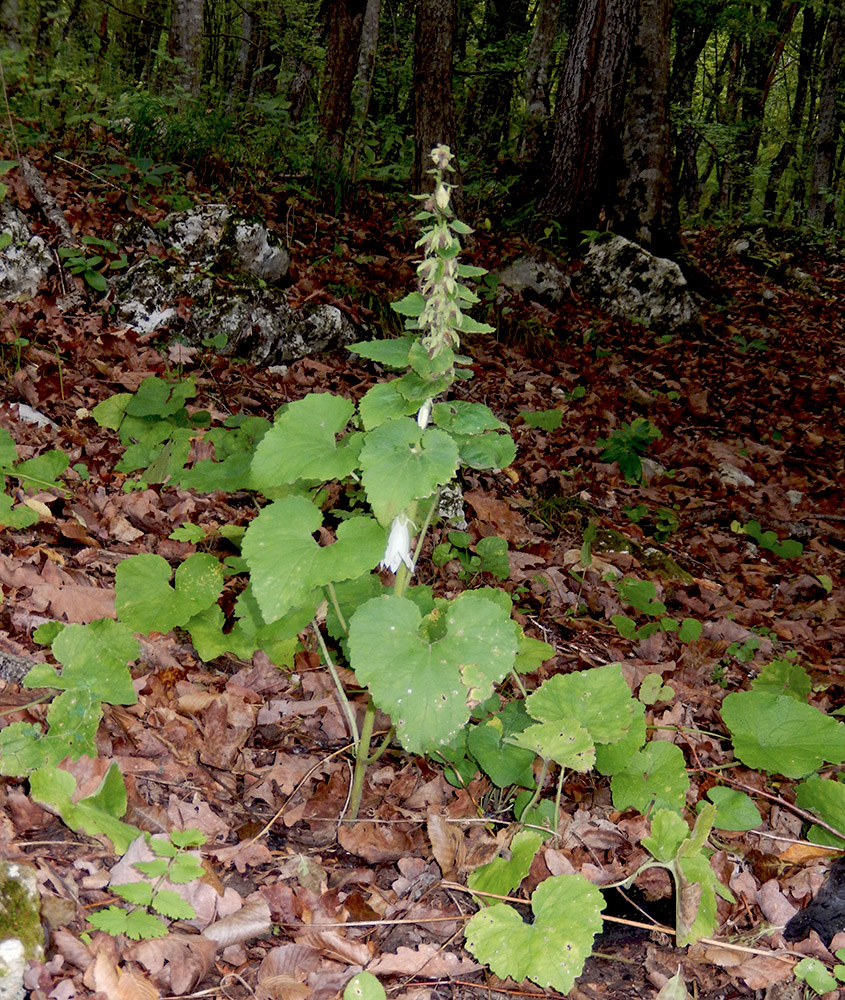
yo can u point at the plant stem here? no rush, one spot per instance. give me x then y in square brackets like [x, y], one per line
[344, 701]
[539, 789]
[361, 760]
[337, 611]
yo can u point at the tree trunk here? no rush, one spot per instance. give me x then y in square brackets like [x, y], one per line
[344, 19]
[589, 112]
[504, 22]
[535, 87]
[186, 43]
[821, 208]
[367, 59]
[434, 107]
[645, 208]
[242, 79]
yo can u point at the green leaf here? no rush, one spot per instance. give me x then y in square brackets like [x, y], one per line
[552, 950]
[302, 443]
[188, 838]
[655, 776]
[287, 564]
[153, 869]
[364, 986]
[427, 681]
[814, 973]
[825, 798]
[146, 602]
[668, 831]
[690, 630]
[170, 904]
[500, 876]
[734, 809]
[503, 763]
[191, 533]
[784, 677]
[95, 657]
[411, 305]
[598, 698]
[461, 417]
[532, 654]
[402, 463]
[617, 756]
[391, 353]
[186, 868]
[385, 401]
[97, 814]
[112, 920]
[138, 893]
[143, 926]
[564, 741]
[775, 733]
[542, 420]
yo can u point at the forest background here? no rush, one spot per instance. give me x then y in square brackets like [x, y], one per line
[620, 114]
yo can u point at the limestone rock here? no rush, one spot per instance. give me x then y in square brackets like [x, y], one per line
[24, 262]
[629, 282]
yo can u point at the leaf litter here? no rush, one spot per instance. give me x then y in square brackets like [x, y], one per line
[256, 757]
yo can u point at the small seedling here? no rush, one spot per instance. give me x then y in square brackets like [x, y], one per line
[487, 555]
[626, 444]
[149, 901]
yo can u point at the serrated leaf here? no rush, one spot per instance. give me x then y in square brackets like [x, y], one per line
[784, 677]
[655, 776]
[551, 951]
[143, 926]
[598, 698]
[617, 756]
[501, 876]
[112, 920]
[462, 417]
[186, 868]
[385, 401]
[153, 869]
[775, 733]
[302, 443]
[138, 893]
[286, 563]
[170, 904]
[411, 305]
[503, 763]
[427, 685]
[401, 463]
[542, 420]
[668, 831]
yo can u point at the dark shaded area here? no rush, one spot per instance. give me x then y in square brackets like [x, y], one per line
[826, 914]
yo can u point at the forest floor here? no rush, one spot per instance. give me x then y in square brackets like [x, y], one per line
[258, 758]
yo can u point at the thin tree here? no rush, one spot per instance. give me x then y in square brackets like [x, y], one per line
[185, 44]
[344, 21]
[820, 210]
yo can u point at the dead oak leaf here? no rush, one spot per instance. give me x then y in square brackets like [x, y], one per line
[427, 960]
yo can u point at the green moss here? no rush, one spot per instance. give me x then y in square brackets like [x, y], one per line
[20, 915]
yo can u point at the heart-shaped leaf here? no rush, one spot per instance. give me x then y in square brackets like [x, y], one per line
[551, 951]
[427, 673]
[286, 563]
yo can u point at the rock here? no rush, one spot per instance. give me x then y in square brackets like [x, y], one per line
[629, 282]
[221, 276]
[21, 933]
[24, 262]
[532, 278]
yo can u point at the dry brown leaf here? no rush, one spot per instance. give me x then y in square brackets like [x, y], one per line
[334, 945]
[251, 921]
[377, 843]
[176, 962]
[426, 960]
[447, 845]
[758, 971]
[133, 986]
[102, 976]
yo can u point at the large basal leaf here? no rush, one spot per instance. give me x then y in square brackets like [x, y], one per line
[552, 950]
[599, 699]
[285, 562]
[826, 798]
[501, 876]
[656, 776]
[301, 443]
[428, 684]
[94, 657]
[401, 463]
[146, 602]
[391, 353]
[776, 733]
[385, 402]
[566, 742]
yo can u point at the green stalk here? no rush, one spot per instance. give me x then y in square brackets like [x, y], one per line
[344, 701]
[361, 760]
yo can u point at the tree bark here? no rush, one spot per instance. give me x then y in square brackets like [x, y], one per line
[821, 208]
[535, 88]
[589, 112]
[434, 107]
[367, 59]
[344, 20]
[10, 27]
[186, 43]
[645, 207]
[504, 22]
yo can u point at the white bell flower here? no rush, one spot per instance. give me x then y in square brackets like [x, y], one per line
[398, 549]
[424, 414]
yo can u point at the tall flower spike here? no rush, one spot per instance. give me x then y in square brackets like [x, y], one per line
[398, 549]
